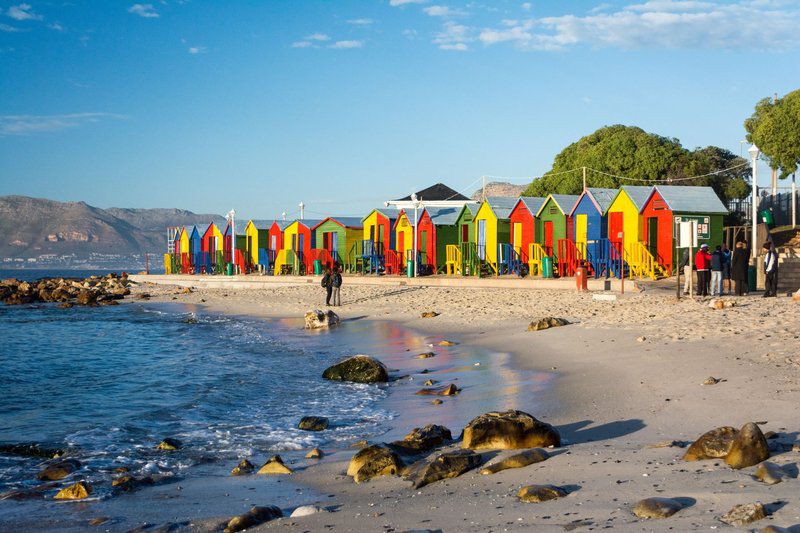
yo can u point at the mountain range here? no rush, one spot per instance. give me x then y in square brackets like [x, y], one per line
[32, 227]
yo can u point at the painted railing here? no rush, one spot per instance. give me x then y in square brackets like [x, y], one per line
[536, 253]
[569, 257]
[643, 263]
[508, 260]
[453, 260]
[470, 260]
[393, 262]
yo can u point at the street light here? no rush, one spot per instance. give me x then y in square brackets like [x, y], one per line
[231, 216]
[414, 240]
[753, 151]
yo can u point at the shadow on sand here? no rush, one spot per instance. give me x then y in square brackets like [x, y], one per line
[579, 432]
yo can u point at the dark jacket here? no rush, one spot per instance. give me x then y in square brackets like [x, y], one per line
[326, 280]
[685, 258]
[336, 279]
[739, 263]
[717, 261]
[770, 262]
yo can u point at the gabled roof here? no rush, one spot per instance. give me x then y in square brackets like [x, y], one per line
[282, 224]
[442, 216]
[565, 202]
[179, 233]
[240, 227]
[600, 197]
[690, 199]
[439, 191]
[501, 205]
[345, 222]
[307, 222]
[385, 211]
[637, 193]
[194, 231]
[531, 203]
[259, 224]
[209, 227]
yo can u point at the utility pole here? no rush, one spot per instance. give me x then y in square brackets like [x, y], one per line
[753, 151]
[794, 201]
[584, 179]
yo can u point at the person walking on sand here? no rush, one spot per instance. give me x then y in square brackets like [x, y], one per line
[717, 262]
[327, 285]
[726, 267]
[771, 270]
[703, 261]
[687, 271]
[336, 286]
[739, 266]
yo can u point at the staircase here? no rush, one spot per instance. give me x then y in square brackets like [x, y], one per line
[452, 263]
[470, 260]
[788, 270]
[508, 260]
[535, 255]
[393, 262]
[642, 263]
[569, 257]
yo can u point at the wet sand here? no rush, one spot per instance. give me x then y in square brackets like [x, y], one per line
[626, 374]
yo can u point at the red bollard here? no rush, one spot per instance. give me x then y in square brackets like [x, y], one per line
[581, 278]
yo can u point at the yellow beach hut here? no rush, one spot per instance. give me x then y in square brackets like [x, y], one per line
[257, 238]
[626, 226]
[403, 236]
[492, 226]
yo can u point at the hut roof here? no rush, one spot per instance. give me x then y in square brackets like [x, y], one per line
[282, 224]
[439, 192]
[565, 202]
[532, 203]
[345, 222]
[442, 216]
[309, 222]
[501, 205]
[385, 211]
[690, 199]
[261, 224]
[600, 197]
[638, 194]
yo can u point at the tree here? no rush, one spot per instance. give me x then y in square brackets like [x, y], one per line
[775, 128]
[631, 152]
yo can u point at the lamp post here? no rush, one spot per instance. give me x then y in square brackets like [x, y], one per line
[302, 207]
[753, 151]
[414, 240]
[231, 216]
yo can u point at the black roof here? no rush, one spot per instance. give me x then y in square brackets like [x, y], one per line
[440, 191]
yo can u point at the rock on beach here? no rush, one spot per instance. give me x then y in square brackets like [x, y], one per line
[78, 491]
[313, 423]
[358, 369]
[508, 430]
[749, 447]
[318, 319]
[253, 517]
[274, 466]
[714, 444]
[656, 507]
[540, 493]
[374, 461]
[443, 466]
[518, 460]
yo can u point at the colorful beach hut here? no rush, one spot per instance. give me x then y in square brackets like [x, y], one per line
[334, 236]
[403, 237]
[436, 229]
[524, 228]
[589, 213]
[276, 230]
[198, 258]
[667, 205]
[257, 240]
[625, 230]
[211, 244]
[554, 218]
[462, 256]
[298, 241]
[377, 250]
[236, 252]
[492, 232]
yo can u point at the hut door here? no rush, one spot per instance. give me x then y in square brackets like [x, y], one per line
[517, 239]
[615, 226]
[294, 242]
[372, 233]
[424, 247]
[380, 234]
[652, 236]
[333, 241]
[482, 239]
[548, 235]
[272, 243]
[581, 228]
[464, 232]
[401, 242]
[250, 245]
[301, 242]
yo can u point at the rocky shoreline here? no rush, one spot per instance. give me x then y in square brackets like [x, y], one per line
[89, 292]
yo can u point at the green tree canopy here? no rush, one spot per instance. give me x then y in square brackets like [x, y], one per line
[631, 152]
[775, 128]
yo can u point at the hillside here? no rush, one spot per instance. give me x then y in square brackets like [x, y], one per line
[500, 188]
[31, 227]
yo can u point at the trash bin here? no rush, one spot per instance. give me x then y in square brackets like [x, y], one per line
[547, 267]
[410, 268]
[752, 275]
[767, 218]
[229, 269]
[317, 267]
[581, 281]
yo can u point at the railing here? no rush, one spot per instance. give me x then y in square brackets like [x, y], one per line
[605, 258]
[453, 260]
[643, 263]
[393, 262]
[569, 257]
[470, 260]
[508, 260]
[536, 253]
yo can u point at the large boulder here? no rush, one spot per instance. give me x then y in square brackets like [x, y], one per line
[714, 444]
[253, 517]
[86, 297]
[374, 461]
[518, 460]
[769, 473]
[443, 466]
[313, 423]
[749, 447]
[508, 430]
[58, 470]
[358, 369]
[540, 493]
[424, 439]
[317, 319]
[274, 466]
[744, 514]
[30, 449]
[656, 507]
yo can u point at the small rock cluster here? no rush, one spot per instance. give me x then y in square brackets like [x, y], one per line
[92, 291]
[739, 448]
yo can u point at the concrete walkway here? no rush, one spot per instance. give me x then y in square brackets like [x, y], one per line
[255, 281]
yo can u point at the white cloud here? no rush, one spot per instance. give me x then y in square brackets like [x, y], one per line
[453, 37]
[443, 11]
[302, 44]
[317, 37]
[396, 3]
[9, 29]
[410, 33]
[197, 50]
[56, 26]
[29, 124]
[22, 12]
[347, 44]
[526, 6]
[144, 10]
[661, 24]
[360, 22]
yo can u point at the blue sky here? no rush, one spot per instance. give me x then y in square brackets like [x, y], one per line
[258, 105]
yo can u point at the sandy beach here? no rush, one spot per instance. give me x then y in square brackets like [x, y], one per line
[628, 378]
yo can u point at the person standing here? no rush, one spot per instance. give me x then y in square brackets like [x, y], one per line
[717, 261]
[336, 286]
[726, 267]
[771, 271]
[739, 267]
[687, 271]
[327, 284]
[702, 260]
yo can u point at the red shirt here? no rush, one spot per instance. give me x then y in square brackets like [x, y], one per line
[702, 260]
